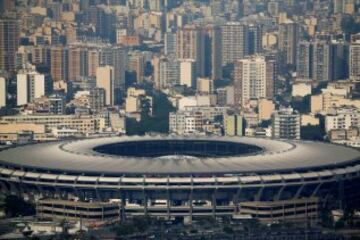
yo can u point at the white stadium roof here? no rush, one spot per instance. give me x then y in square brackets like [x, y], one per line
[277, 156]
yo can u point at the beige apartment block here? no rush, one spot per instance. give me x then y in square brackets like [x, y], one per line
[85, 124]
[265, 109]
[135, 92]
[309, 120]
[301, 90]
[9, 132]
[131, 104]
[205, 85]
[324, 103]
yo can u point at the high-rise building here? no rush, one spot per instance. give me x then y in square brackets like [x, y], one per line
[175, 21]
[32, 85]
[354, 61]
[253, 79]
[55, 10]
[103, 20]
[41, 55]
[288, 41]
[115, 56]
[105, 78]
[233, 125]
[241, 7]
[305, 59]
[338, 6]
[286, 124]
[83, 61]
[217, 7]
[156, 5]
[188, 73]
[322, 61]
[254, 39]
[9, 43]
[190, 45]
[340, 54]
[273, 8]
[93, 61]
[22, 57]
[169, 69]
[77, 63]
[136, 65]
[97, 99]
[70, 33]
[59, 63]
[170, 43]
[234, 44]
[213, 59]
[7, 5]
[155, 63]
[3, 92]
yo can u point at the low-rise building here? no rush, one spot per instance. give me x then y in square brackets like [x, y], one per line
[88, 212]
[97, 99]
[251, 118]
[299, 209]
[185, 122]
[209, 113]
[309, 119]
[326, 102]
[3, 92]
[301, 90]
[343, 118]
[265, 108]
[85, 124]
[117, 122]
[286, 124]
[137, 100]
[205, 85]
[64, 133]
[53, 104]
[225, 96]
[233, 125]
[12, 132]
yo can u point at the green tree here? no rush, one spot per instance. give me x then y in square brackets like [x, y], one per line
[158, 122]
[301, 104]
[349, 25]
[15, 206]
[313, 133]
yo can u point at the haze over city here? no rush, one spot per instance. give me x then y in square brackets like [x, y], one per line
[174, 119]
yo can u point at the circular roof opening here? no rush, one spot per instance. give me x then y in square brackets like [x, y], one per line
[163, 148]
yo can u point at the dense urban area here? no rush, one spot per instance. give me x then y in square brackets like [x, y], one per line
[276, 69]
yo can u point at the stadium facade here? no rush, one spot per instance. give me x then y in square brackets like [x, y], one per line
[169, 176]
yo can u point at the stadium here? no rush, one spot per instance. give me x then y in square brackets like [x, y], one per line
[171, 176]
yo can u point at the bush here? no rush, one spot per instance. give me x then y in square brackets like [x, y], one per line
[228, 230]
[142, 223]
[125, 229]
